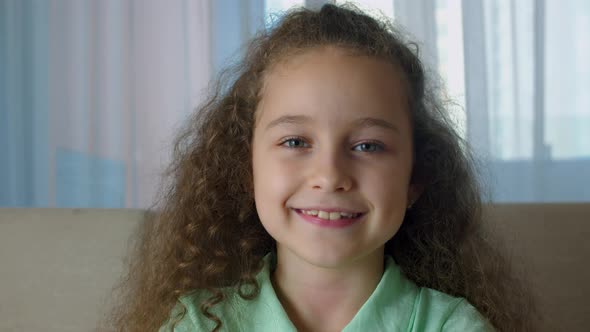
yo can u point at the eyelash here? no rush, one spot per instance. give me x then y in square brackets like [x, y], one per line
[378, 146]
[294, 138]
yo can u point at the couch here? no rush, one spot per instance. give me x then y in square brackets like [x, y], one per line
[57, 266]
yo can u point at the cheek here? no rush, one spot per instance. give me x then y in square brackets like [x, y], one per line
[273, 186]
[387, 193]
[387, 186]
[273, 182]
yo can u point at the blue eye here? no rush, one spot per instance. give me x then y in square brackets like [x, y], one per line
[295, 143]
[368, 147]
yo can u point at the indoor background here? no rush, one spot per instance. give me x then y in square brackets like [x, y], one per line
[92, 92]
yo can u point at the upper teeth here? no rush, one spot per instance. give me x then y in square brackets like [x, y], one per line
[329, 215]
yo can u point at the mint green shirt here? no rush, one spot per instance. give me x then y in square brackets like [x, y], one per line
[397, 304]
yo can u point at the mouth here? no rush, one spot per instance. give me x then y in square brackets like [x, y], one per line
[330, 218]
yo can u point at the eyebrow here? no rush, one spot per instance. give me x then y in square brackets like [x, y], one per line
[369, 122]
[366, 122]
[288, 119]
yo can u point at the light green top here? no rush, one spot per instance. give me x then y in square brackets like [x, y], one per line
[397, 304]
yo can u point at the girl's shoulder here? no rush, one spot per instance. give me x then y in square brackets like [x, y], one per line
[434, 310]
[398, 304]
[262, 313]
[190, 318]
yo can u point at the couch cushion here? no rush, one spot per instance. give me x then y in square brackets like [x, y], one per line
[553, 242]
[58, 266]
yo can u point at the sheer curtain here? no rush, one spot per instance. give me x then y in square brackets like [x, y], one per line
[92, 91]
[526, 75]
[519, 72]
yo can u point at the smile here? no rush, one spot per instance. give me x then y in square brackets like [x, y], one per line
[330, 218]
[330, 215]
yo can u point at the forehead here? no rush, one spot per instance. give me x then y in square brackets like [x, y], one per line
[330, 82]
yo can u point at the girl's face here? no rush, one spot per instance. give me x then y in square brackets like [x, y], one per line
[332, 135]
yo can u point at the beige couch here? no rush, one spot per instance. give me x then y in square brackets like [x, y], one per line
[58, 265]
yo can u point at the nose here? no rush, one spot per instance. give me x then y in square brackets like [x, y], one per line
[330, 172]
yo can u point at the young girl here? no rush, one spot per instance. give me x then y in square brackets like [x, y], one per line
[325, 190]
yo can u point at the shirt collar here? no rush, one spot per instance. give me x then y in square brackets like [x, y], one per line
[393, 297]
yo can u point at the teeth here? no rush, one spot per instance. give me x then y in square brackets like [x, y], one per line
[311, 212]
[334, 215]
[329, 215]
[324, 215]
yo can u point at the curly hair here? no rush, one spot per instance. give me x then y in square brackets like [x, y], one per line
[204, 233]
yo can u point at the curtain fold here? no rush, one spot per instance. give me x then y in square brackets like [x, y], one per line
[525, 68]
[92, 93]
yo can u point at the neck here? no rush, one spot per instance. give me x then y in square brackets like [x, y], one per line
[320, 298]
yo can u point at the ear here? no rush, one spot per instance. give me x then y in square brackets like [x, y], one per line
[414, 192]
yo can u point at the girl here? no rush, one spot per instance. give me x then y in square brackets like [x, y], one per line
[325, 190]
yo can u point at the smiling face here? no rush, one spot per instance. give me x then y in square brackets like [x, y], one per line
[332, 135]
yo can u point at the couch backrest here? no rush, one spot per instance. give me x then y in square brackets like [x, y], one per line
[57, 266]
[553, 240]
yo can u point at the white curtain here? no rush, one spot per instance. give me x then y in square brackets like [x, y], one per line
[528, 113]
[91, 94]
[519, 72]
[92, 91]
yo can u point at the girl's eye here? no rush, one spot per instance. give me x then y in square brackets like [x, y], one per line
[368, 147]
[295, 143]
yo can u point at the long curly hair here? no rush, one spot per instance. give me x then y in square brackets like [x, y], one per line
[204, 232]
